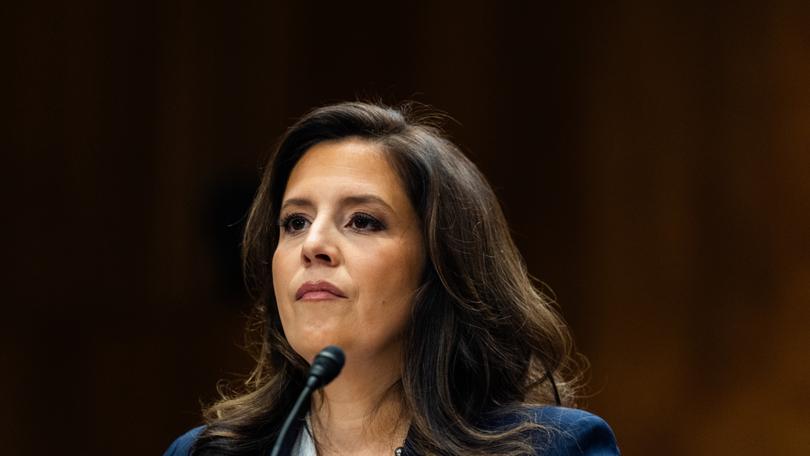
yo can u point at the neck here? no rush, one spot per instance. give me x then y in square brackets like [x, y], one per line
[361, 411]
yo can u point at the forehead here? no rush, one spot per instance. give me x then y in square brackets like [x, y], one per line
[345, 166]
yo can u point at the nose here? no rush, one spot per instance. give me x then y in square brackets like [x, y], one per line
[320, 245]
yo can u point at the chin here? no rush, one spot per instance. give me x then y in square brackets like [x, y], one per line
[310, 344]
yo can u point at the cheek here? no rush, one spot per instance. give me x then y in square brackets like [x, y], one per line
[391, 278]
[281, 275]
[274, 265]
[281, 263]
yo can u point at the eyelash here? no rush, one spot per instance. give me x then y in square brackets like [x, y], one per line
[288, 219]
[374, 223]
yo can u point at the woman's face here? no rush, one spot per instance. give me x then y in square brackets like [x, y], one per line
[350, 254]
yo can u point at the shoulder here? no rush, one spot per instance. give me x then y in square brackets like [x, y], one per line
[567, 432]
[574, 432]
[182, 445]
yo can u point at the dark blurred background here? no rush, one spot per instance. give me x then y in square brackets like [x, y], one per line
[653, 159]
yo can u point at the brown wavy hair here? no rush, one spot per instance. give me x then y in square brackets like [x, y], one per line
[483, 342]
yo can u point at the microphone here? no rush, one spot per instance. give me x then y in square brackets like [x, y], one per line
[325, 367]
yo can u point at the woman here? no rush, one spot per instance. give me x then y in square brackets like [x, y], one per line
[373, 232]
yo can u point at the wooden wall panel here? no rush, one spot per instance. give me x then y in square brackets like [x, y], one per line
[653, 161]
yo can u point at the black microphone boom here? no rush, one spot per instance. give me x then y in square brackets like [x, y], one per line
[325, 367]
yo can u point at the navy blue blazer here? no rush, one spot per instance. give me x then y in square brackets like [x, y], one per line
[577, 433]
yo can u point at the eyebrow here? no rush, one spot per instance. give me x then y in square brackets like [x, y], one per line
[365, 198]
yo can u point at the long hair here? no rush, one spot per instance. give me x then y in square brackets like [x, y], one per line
[482, 342]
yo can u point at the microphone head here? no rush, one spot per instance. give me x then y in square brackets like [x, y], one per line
[326, 366]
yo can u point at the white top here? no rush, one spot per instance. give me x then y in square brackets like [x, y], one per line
[304, 445]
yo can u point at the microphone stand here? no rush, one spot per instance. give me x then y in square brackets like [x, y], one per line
[324, 369]
[296, 409]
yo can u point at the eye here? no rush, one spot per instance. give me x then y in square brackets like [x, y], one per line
[293, 223]
[364, 222]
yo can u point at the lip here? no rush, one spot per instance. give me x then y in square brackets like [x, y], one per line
[318, 291]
